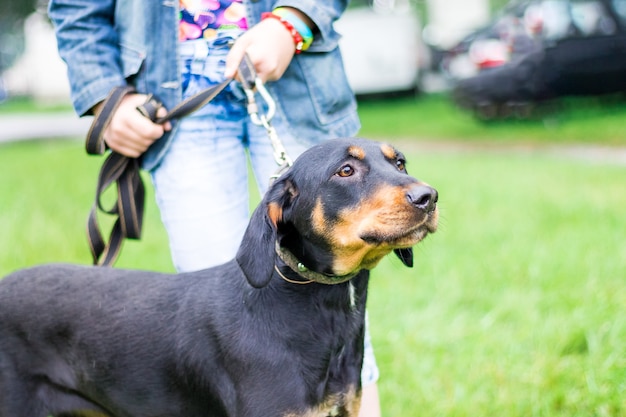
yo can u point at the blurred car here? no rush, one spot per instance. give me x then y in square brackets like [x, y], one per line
[572, 47]
[492, 45]
[382, 46]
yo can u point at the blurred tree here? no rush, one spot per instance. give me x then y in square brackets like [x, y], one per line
[12, 15]
[17, 10]
[496, 5]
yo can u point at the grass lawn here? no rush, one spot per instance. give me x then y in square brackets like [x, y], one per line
[46, 192]
[26, 105]
[435, 117]
[515, 307]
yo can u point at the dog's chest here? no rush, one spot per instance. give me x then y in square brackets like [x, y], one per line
[346, 404]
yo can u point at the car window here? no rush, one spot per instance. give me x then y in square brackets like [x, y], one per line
[620, 9]
[560, 19]
[557, 19]
[590, 17]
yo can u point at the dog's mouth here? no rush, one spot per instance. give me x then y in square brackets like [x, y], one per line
[410, 239]
[402, 236]
[397, 241]
[358, 238]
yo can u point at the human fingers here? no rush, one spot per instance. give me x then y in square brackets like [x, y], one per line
[270, 48]
[162, 112]
[235, 56]
[129, 132]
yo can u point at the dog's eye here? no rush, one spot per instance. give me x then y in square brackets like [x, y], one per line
[345, 171]
[400, 164]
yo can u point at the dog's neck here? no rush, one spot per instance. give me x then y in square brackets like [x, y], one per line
[304, 272]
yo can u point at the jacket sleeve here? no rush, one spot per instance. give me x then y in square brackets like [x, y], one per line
[88, 43]
[323, 14]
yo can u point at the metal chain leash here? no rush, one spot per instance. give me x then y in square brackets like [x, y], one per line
[253, 84]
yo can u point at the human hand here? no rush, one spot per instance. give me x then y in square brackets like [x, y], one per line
[270, 47]
[129, 132]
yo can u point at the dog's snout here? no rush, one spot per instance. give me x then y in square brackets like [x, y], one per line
[422, 197]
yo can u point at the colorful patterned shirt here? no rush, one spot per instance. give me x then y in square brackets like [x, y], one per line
[203, 18]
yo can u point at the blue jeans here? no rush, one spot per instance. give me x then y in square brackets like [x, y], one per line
[201, 184]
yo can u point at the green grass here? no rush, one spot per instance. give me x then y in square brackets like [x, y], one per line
[435, 117]
[46, 192]
[26, 105]
[515, 307]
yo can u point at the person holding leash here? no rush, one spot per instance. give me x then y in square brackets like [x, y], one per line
[198, 165]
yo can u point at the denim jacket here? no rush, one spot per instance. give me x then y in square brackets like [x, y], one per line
[107, 43]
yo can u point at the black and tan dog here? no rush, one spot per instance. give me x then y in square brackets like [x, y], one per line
[278, 331]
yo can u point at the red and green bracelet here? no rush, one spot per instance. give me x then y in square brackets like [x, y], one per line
[301, 33]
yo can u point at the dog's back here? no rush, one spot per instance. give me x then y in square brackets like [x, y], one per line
[63, 327]
[176, 343]
[278, 331]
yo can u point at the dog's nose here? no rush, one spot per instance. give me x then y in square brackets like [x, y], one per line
[422, 197]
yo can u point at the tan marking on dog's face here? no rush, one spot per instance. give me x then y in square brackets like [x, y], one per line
[334, 405]
[364, 234]
[274, 212]
[389, 151]
[356, 152]
[318, 218]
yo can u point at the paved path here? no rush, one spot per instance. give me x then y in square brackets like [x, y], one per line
[603, 154]
[15, 127]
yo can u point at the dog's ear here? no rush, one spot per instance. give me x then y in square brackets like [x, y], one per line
[405, 255]
[257, 253]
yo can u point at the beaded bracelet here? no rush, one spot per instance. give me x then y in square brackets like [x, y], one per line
[298, 39]
[303, 29]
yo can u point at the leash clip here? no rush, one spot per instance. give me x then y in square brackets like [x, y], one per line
[252, 84]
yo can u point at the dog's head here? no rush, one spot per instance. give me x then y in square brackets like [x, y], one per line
[341, 207]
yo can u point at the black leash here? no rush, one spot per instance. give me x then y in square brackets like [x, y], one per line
[125, 172]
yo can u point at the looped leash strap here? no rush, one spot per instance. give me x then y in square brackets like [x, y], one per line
[116, 168]
[125, 172]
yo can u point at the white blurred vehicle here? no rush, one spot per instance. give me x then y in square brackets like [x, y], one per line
[382, 46]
